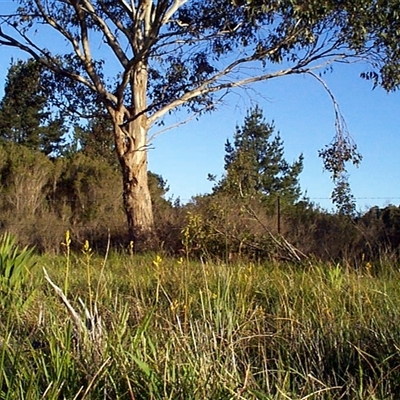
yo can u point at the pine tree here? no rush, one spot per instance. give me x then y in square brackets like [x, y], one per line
[255, 164]
[96, 139]
[25, 115]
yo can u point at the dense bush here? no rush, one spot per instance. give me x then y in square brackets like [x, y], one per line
[41, 198]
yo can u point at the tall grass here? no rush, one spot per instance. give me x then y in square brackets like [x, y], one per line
[175, 329]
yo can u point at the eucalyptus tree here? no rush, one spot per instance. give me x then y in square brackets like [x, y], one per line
[171, 54]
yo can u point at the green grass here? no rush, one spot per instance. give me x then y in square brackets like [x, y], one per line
[173, 329]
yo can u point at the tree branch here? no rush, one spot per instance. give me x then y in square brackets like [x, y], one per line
[110, 37]
[173, 9]
[209, 86]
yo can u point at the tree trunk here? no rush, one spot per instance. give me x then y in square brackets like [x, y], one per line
[136, 196]
[131, 144]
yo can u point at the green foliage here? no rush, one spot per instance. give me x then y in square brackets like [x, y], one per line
[41, 198]
[255, 164]
[188, 54]
[95, 139]
[342, 197]
[87, 188]
[244, 211]
[159, 188]
[25, 115]
[342, 150]
[15, 270]
[381, 231]
[195, 237]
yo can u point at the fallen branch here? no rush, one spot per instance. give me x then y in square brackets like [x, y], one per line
[90, 325]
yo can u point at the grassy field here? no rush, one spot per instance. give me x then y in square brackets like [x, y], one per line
[161, 328]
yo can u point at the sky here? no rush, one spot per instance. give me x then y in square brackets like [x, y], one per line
[303, 114]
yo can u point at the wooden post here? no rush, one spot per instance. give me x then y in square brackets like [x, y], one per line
[278, 209]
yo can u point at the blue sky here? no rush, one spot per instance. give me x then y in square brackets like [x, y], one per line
[303, 113]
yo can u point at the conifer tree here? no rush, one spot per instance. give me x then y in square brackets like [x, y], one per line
[25, 111]
[95, 139]
[255, 163]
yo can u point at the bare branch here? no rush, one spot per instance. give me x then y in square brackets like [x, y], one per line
[41, 56]
[110, 37]
[76, 318]
[87, 58]
[53, 23]
[168, 128]
[211, 85]
[129, 8]
[336, 108]
[173, 9]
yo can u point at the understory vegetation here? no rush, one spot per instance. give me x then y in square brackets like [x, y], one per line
[219, 226]
[42, 197]
[154, 327]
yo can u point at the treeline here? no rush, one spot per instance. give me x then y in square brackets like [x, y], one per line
[60, 174]
[42, 197]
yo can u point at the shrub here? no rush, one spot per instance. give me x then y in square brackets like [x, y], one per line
[15, 270]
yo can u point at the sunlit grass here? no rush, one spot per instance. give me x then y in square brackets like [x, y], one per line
[181, 329]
